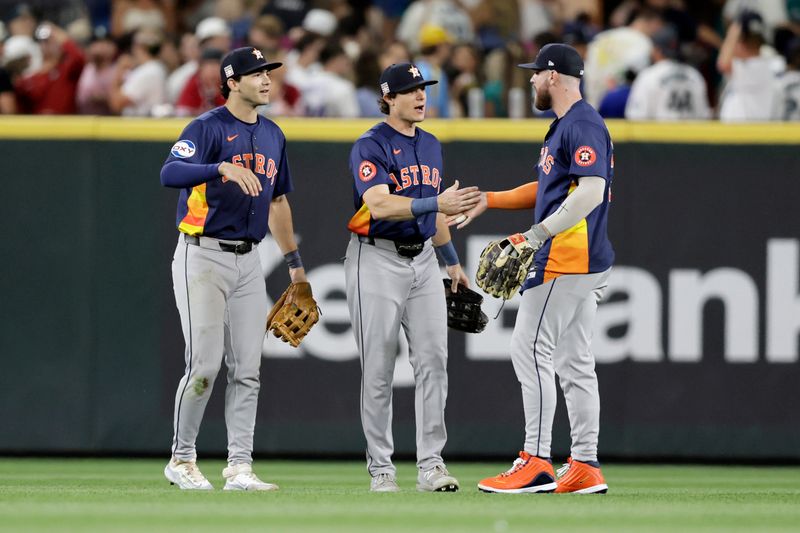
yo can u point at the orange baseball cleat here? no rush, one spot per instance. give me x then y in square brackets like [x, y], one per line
[528, 474]
[580, 478]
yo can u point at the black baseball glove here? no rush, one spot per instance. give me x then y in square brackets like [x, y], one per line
[464, 309]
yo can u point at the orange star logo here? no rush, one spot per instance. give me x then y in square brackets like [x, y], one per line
[256, 52]
[414, 72]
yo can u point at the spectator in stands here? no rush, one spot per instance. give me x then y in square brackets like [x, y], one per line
[21, 21]
[367, 71]
[669, 89]
[140, 80]
[51, 90]
[303, 61]
[463, 75]
[21, 56]
[435, 51]
[291, 14]
[329, 92]
[97, 78]
[202, 92]
[786, 103]
[614, 102]
[128, 16]
[211, 33]
[321, 22]
[750, 68]
[613, 52]
[8, 100]
[266, 34]
[285, 100]
[392, 54]
[447, 14]
[189, 51]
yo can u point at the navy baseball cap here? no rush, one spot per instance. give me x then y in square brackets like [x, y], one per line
[559, 57]
[401, 77]
[244, 61]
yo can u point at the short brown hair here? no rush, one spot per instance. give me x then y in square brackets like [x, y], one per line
[225, 90]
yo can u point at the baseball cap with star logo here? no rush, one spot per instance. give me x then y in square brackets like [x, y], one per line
[402, 77]
[559, 57]
[244, 61]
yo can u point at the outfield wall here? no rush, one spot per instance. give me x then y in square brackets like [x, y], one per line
[697, 342]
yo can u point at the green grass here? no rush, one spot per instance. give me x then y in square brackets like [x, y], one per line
[88, 495]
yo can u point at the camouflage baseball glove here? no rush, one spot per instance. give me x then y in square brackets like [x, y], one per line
[504, 264]
[294, 314]
[464, 309]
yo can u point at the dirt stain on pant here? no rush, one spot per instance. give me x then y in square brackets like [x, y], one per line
[200, 385]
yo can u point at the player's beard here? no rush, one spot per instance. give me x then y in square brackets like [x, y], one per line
[543, 100]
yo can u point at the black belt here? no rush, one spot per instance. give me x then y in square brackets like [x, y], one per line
[405, 249]
[238, 249]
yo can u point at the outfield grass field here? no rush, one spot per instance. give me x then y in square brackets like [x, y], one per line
[106, 495]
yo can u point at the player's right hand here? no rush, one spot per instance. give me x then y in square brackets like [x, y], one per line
[243, 176]
[454, 201]
[473, 213]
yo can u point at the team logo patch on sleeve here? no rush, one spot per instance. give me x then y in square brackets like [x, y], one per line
[183, 149]
[585, 156]
[367, 171]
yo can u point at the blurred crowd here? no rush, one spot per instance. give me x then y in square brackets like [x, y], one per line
[735, 60]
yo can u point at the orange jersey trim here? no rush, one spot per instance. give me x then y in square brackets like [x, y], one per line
[360, 222]
[195, 219]
[569, 252]
[523, 197]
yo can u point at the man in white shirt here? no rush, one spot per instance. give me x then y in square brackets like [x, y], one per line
[138, 90]
[786, 104]
[329, 92]
[751, 69]
[668, 89]
[614, 52]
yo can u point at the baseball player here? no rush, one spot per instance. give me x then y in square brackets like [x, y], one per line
[393, 278]
[569, 273]
[230, 165]
[670, 88]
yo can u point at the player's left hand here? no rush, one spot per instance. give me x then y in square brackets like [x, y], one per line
[297, 275]
[458, 276]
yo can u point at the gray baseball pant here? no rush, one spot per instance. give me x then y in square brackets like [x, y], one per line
[552, 335]
[387, 292]
[221, 298]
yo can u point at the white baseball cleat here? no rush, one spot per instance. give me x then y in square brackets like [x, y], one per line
[241, 477]
[437, 479]
[186, 475]
[383, 483]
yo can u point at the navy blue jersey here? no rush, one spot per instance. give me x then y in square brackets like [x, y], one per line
[577, 145]
[219, 208]
[410, 166]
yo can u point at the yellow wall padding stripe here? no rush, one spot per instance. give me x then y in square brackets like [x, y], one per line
[487, 130]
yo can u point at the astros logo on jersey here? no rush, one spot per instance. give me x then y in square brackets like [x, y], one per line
[546, 160]
[366, 171]
[585, 156]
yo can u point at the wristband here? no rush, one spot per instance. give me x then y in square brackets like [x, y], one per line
[421, 206]
[293, 259]
[448, 253]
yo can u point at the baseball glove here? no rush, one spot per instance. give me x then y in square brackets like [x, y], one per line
[464, 309]
[504, 264]
[294, 314]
